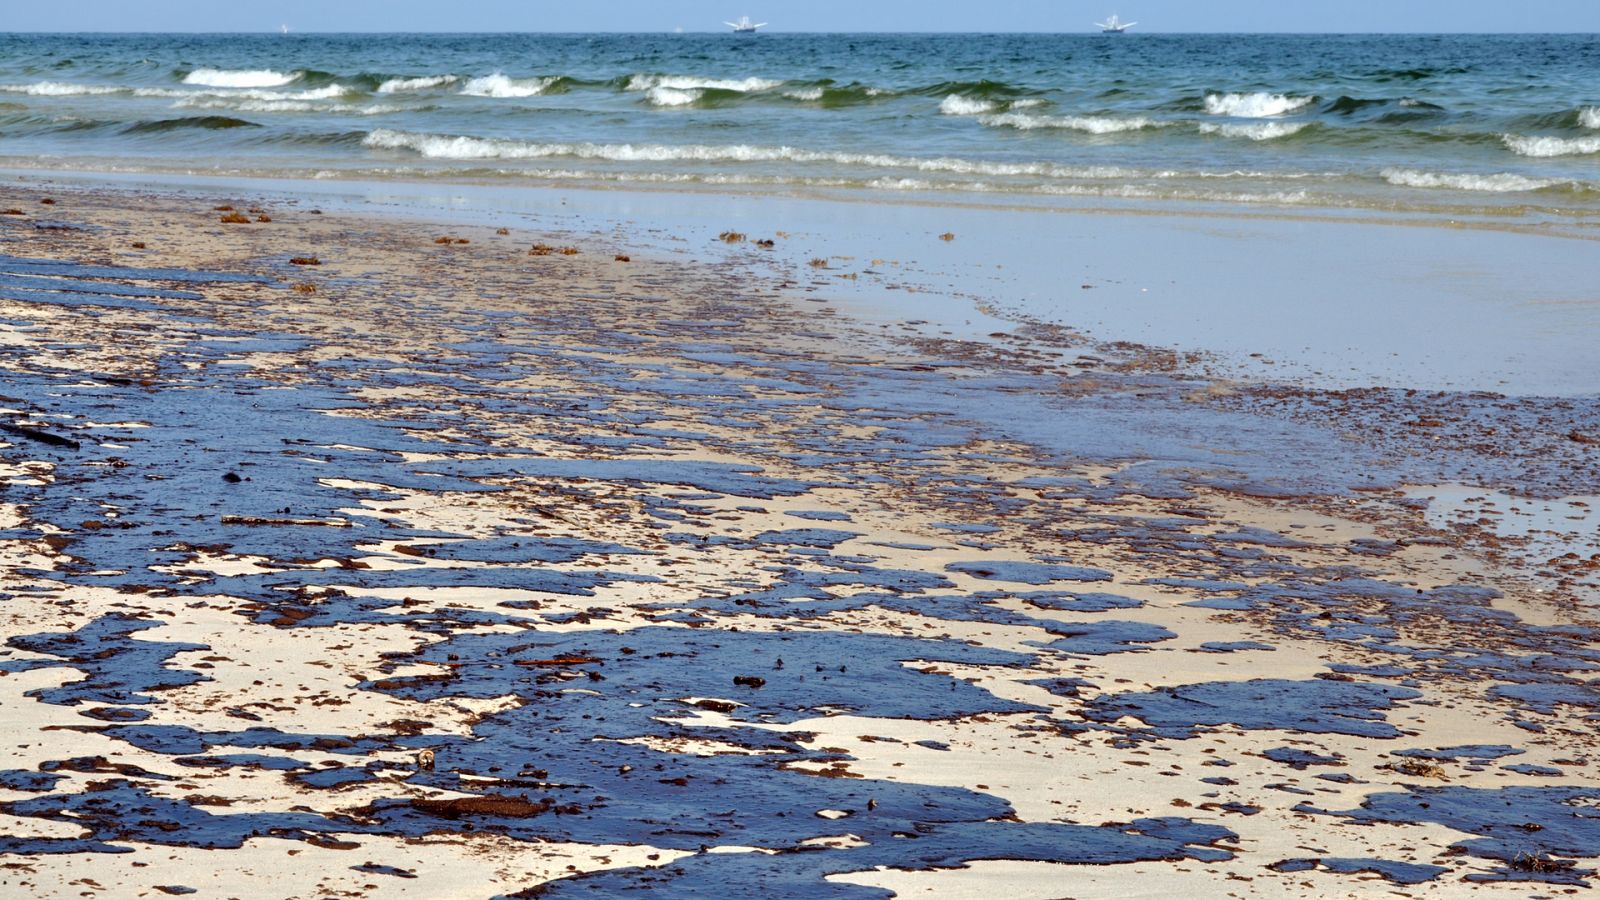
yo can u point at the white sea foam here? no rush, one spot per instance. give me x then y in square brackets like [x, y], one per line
[501, 86]
[665, 96]
[691, 83]
[1589, 117]
[398, 85]
[1254, 106]
[239, 78]
[1087, 124]
[1255, 131]
[807, 94]
[1551, 146]
[1501, 182]
[959, 105]
[60, 89]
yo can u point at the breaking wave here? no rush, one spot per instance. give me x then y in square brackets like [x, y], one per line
[832, 95]
[1589, 117]
[1545, 147]
[424, 83]
[502, 86]
[962, 105]
[666, 96]
[240, 78]
[692, 83]
[1255, 106]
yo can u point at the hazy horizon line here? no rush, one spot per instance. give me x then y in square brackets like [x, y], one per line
[1088, 31]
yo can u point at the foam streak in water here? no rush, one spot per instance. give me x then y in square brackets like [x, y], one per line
[1087, 124]
[457, 147]
[60, 89]
[1255, 131]
[1502, 182]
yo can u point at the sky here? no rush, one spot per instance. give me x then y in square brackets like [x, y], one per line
[801, 15]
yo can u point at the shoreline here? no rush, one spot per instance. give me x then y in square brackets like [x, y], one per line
[471, 480]
[1428, 304]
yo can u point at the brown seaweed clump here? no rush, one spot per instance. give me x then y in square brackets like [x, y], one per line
[1418, 768]
[304, 261]
[234, 218]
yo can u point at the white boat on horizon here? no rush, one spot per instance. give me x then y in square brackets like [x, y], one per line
[1114, 25]
[745, 26]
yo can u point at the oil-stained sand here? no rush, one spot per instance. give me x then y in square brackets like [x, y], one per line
[437, 568]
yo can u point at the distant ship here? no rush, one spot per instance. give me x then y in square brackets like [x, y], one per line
[745, 26]
[1114, 25]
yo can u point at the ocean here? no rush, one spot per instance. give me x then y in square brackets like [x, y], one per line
[1504, 126]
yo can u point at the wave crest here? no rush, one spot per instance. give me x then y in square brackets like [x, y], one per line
[1258, 105]
[962, 105]
[692, 83]
[1544, 147]
[423, 83]
[240, 78]
[502, 86]
[666, 96]
[1589, 117]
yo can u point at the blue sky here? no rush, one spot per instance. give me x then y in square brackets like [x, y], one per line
[800, 15]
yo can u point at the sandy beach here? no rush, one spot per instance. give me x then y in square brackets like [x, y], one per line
[356, 551]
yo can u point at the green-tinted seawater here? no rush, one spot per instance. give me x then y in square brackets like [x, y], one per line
[1500, 125]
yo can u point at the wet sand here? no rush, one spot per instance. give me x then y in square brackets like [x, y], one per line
[352, 555]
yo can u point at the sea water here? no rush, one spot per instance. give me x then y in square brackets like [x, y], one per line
[1502, 126]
